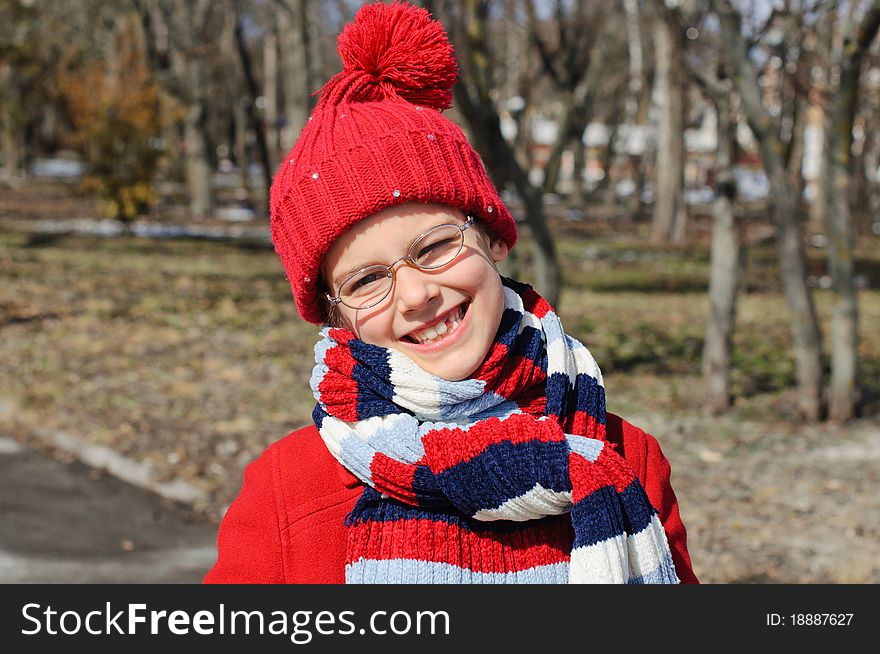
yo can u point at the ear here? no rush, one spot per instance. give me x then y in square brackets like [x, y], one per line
[498, 249]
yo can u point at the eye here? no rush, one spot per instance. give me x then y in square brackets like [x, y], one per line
[366, 282]
[442, 245]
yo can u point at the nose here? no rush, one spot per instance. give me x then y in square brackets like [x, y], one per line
[414, 288]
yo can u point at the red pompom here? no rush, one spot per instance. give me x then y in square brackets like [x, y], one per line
[394, 49]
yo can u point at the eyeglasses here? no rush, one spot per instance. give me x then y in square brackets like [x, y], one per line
[433, 249]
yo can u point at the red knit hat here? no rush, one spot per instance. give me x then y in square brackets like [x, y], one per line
[377, 139]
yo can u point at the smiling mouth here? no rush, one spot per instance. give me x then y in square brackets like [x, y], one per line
[440, 329]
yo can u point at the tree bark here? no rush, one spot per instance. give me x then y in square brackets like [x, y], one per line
[631, 104]
[669, 210]
[872, 187]
[198, 164]
[253, 117]
[270, 91]
[805, 331]
[294, 44]
[723, 270]
[578, 198]
[13, 129]
[605, 187]
[843, 392]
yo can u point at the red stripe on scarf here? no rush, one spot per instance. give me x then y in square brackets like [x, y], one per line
[492, 366]
[532, 400]
[395, 478]
[534, 303]
[617, 469]
[338, 387]
[587, 477]
[532, 544]
[341, 336]
[583, 424]
[446, 448]
[518, 372]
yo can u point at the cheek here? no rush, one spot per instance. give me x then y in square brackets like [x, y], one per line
[374, 328]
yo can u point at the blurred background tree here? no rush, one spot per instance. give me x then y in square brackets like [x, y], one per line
[114, 106]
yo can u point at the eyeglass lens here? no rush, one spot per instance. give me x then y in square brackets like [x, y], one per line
[432, 250]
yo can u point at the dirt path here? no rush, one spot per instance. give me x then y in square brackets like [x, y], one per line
[68, 523]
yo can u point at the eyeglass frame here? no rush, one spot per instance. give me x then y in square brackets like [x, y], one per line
[407, 259]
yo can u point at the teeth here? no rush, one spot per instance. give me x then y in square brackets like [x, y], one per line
[429, 334]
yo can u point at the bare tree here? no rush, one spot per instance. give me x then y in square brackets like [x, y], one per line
[726, 254]
[19, 57]
[183, 36]
[670, 213]
[253, 89]
[575, 65]
[846, 64]
[295, 22]
[727, 251]
[635, 86]
[12, 119]
[467, 26]
[786, 210]
[271, 86]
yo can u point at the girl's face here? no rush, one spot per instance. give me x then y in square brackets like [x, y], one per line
[465, 296]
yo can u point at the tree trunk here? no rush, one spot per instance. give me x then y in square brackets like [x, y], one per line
[872, 187]
[792, 257]
[723, 271]
[12, 144]
[578, 199]
[293, 43]
[313, 27]
[631, 104]
[13, 130]
[198, 165]
[270, 91]
[806, 336]
[253, 117]
[554, 159]
[239, 142]
[606, 184]
[844, 318]
[844, 312]
[796, 145]
[818, 206]
[669, 210]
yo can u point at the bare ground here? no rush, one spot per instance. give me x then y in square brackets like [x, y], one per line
[776, 503]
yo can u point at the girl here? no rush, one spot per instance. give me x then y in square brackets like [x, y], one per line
[460, 435]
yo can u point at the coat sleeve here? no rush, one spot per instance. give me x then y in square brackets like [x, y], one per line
[659, 491]
[249, 549]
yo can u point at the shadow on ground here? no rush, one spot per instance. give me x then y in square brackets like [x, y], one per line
[68, 523]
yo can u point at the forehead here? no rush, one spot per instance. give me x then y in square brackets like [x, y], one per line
[384, 236]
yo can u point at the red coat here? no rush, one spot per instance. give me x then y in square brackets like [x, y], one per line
[286, 524]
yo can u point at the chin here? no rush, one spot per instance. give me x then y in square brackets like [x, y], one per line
[459, 368]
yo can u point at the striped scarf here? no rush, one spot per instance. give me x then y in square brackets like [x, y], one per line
[504, 477]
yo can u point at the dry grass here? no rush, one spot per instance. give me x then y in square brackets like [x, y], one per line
[189, 355]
